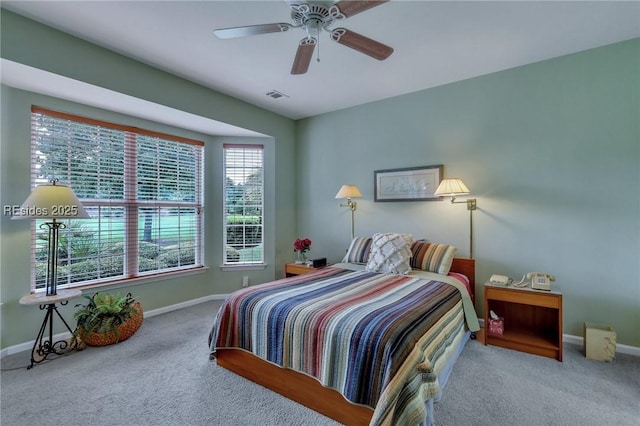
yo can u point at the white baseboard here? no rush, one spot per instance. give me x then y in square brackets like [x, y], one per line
[27, 346]
[577, 340]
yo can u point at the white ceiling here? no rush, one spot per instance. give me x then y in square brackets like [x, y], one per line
[435, 42]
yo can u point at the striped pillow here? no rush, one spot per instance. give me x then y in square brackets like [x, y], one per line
[432, 257]
[358, 251]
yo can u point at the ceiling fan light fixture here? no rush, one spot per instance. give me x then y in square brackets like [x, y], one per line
[313, 26]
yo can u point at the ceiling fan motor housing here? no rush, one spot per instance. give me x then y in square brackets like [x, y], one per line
[312, 17]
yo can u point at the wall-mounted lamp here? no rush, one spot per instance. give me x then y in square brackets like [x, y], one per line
[452, 188]
[349, 192]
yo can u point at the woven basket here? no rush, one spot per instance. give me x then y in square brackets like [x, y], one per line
[126, 330]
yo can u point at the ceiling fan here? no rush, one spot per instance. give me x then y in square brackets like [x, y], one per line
[315, 17]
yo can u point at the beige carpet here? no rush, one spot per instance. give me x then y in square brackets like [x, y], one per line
[163, 376]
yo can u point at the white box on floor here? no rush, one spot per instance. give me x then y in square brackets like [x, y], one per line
[599, 342]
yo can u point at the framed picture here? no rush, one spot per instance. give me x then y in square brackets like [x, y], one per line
[408, 184]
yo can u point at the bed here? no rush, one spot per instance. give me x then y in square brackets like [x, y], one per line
[359, 346]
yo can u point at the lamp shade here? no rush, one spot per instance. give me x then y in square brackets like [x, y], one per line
[349, 191]
[51, 201]
[451, 187]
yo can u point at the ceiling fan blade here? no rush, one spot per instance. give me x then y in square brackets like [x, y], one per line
[348, 8]
[250, 30]
[303, 55]
[361, 43]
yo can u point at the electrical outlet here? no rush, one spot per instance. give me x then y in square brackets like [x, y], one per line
[245, 281]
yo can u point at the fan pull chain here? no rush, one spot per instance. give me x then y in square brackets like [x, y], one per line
[318, 55]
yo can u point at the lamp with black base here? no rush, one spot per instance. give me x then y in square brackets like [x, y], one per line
[55, 202]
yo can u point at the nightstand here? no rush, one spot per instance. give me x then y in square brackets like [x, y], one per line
[292, 269]
[532, 319]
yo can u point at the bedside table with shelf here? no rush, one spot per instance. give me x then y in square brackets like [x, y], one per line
[532, 319]
[292, 269]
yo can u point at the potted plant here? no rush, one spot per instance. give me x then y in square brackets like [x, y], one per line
[107, 319]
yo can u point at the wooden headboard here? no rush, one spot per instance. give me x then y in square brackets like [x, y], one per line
[467, 267]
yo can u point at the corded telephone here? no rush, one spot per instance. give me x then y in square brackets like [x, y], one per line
[538, 280]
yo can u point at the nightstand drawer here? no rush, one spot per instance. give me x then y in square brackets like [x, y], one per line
[537, 298]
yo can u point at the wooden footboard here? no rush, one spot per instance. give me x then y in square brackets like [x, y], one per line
[295, 386]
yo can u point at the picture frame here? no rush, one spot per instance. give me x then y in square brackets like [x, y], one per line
[407, 184]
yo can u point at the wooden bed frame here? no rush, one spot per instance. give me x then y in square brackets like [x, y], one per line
[305, 389]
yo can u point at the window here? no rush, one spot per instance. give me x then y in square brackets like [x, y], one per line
[243, 204]
[142, 189]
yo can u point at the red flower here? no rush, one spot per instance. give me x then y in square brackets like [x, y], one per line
[302, 244]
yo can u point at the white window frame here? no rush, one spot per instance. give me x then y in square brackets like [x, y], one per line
[242, 251]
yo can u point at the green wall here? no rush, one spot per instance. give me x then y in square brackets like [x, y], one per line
[550, 150]
[26, 42]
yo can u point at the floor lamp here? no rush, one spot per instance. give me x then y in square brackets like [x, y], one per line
[452, 188]
[51, 202]
[349, 192]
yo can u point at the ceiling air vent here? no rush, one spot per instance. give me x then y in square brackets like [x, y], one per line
[276, 95]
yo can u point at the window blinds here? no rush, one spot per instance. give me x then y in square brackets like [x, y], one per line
[243, 204]
[143, 190]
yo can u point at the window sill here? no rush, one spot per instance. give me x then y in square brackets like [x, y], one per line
[244, 267]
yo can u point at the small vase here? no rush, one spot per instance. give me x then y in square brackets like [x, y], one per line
[300, 257]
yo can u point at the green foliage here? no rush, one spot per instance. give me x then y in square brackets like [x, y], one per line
[243, 220]
[148, 250]
[104, 313]
[249, 255]
[233, 255]
[244, 229]
[77, 242]
[82, 256]
[91, 269]
[146, 264]
[178, 257]
[111, 262]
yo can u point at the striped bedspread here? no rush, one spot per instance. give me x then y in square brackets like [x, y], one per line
[377, 339]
